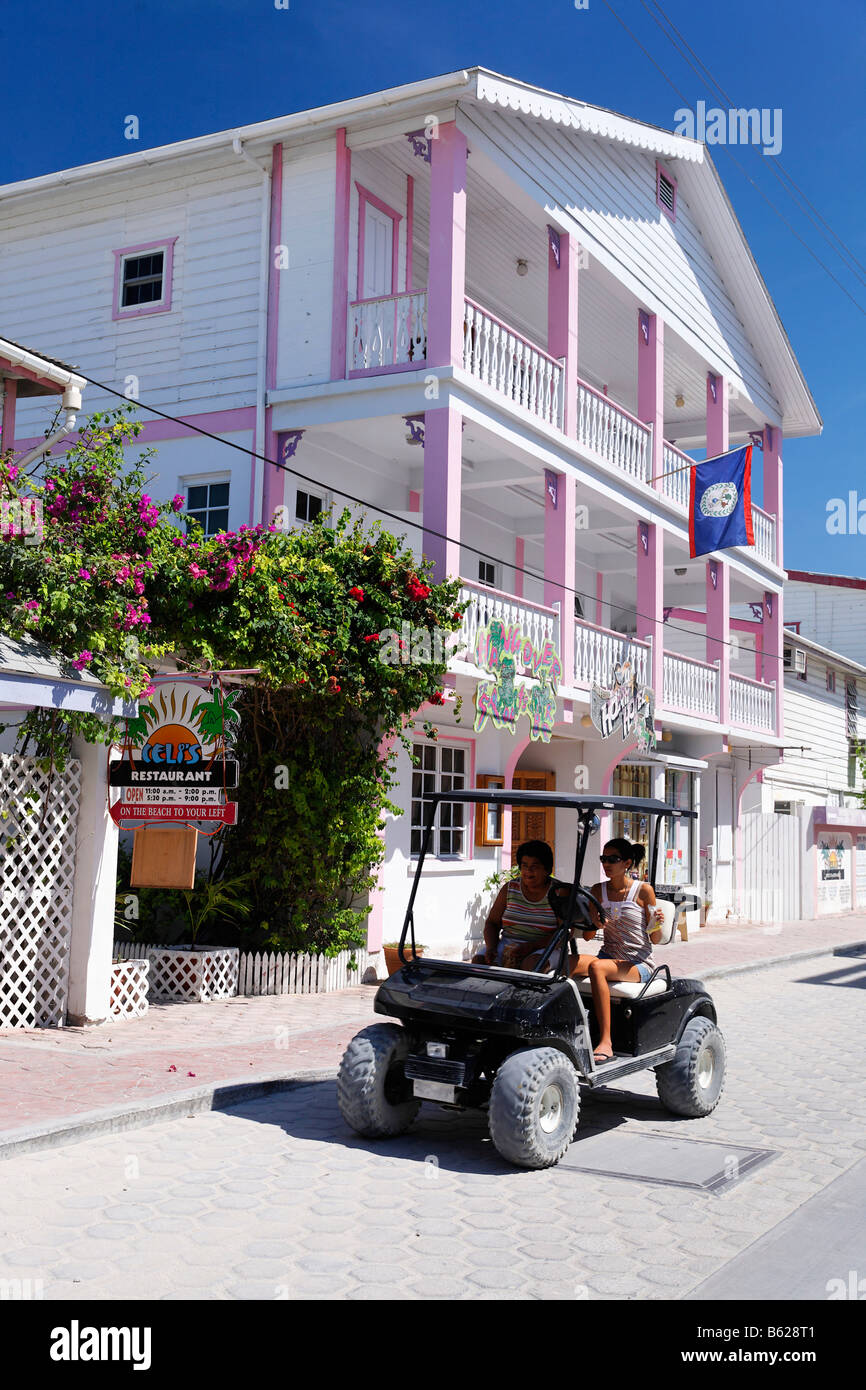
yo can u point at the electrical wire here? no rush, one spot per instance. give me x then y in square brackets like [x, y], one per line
[395, 516]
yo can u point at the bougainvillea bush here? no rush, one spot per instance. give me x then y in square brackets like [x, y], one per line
[120, 580]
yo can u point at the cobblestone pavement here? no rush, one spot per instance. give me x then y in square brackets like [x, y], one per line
[51, 1076]
[276, 1199]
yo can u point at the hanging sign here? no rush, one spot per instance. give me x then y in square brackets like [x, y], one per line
[834, 873]
[504, 651]
[625, 706]
[176, 766]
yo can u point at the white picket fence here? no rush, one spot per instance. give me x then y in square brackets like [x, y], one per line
[263, 972]
[770, 854]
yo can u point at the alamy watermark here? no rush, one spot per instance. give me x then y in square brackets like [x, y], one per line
[738, 126]
[21, 517]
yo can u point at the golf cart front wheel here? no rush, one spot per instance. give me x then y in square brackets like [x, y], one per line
[534, 1107]
[692, 1083]
[374, 1097]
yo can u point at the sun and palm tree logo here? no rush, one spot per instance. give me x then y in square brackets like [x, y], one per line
[183, 726]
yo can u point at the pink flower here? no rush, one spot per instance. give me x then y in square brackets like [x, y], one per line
[12, 472]
[197, 572]
[83, 659]
[84, 574]
[177, 502]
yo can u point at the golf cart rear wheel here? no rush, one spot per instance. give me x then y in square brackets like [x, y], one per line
[534, 1107]
[374, 1097]
[692, 1083]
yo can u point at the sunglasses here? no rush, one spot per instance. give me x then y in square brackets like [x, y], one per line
[611, 859]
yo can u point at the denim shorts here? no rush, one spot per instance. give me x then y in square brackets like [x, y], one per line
[644, 970]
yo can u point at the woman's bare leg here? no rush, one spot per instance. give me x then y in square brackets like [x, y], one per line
[601, 972]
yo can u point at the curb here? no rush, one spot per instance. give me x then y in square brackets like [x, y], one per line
[226, 1094]
[118, 1119]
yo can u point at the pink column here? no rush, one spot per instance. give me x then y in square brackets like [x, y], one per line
[562, 322]
[650, 385]
[719, 628]
[7, 424]
[446, 275]
[519, 562]
[773, 482]
[650, 585]
[559, 564]
[339, 308]
[772, 641]
[717, 415]
[443, 446]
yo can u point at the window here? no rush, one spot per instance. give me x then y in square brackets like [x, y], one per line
[142, 279]
[678, 834]
[794, 659]
[308, 506]
[488, 819]
[666, 192]
[831, 680]
[851, 710]
[209, 504]
[487, 573]
[632, 780]
[855, 751]
[439, 767]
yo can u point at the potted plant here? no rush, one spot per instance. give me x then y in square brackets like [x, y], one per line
[198, 973]
[392, 955]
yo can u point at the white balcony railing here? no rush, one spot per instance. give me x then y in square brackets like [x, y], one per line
[764, 528]
[752, 704]
[538, 623]
[388, 332]
[676, 476]
[691, 686]
[499, 357]
[597, 650]
[618, 437]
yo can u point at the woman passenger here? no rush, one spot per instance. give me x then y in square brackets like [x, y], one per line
[521, 921]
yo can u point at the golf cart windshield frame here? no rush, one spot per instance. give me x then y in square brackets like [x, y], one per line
[586, 809]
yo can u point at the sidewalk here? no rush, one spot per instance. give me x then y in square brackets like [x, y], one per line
[58, 1084]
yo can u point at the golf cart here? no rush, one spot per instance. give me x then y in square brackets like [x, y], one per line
[518, 1042]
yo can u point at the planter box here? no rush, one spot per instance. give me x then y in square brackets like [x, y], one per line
[129, 983]
[193, 975]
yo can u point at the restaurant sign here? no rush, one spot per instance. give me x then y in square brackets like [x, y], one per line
[504, 651]
[624, 707]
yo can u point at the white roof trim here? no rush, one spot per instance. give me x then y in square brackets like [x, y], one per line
[790, 638]
[32, 362]
[594, 120]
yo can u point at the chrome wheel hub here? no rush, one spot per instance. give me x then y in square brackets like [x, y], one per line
[550, 1109]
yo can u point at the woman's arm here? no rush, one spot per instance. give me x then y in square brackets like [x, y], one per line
[647, 898]
[493, 924]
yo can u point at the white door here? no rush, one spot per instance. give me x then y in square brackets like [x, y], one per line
[378, 253]
[723, 879]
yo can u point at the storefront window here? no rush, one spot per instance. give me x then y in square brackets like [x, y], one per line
[677, 866]
[629, 780]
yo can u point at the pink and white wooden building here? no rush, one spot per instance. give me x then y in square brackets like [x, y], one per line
[507, 319]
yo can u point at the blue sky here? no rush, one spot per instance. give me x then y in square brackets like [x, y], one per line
[72, 73]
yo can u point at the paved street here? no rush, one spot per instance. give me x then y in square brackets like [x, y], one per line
[276, 1199]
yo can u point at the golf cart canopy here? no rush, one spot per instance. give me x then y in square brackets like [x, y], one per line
[575, 801]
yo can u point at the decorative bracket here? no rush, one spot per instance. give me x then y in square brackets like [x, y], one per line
[757, 438]
[643, 319]
[415, 426]
[553, 239]
[643, 533]
[768, 436]
[291, 440]
[420, 144]
[714, 572]
[713, 384]
[551, 483]
[666, 613]
[757, 612]
[768, 604]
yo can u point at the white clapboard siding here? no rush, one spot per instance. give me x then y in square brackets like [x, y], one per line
[305, 285]
[611, 188]
[815, 722]
[770, 860]
[830, 614]
[263, 972]
[56, 285]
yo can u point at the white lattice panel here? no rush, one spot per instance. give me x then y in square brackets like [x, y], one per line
[129, 988]
[196, 976]
[37, 864]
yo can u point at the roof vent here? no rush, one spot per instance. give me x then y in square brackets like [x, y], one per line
[666, 192]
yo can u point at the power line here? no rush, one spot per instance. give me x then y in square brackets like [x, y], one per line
[395, 516]
[735, 161]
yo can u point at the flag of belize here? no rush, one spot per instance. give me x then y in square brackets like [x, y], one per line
[720, 503]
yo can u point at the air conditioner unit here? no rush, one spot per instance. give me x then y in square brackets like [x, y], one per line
[794, 659]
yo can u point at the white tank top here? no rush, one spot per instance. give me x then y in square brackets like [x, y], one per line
[625, 936]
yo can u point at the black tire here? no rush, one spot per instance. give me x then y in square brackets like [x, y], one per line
[521, 1107]
[692, 1082]
[374, 1097]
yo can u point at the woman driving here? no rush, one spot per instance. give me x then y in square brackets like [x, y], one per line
[521, 920]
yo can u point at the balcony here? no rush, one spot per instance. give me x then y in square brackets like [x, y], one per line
[499, 357]
[621, 440]
[691, 687]
[387, 334]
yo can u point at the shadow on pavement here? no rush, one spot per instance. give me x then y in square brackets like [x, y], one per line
[451, 1140]
[849, 976]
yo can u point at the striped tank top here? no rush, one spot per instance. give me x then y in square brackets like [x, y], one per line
[625, 936]
[523, 920]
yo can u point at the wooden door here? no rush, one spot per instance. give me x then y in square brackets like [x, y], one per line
[535, 823]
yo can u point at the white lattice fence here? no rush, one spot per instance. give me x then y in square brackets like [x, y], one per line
[129, 989]
[38, 816]
[264, 972]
